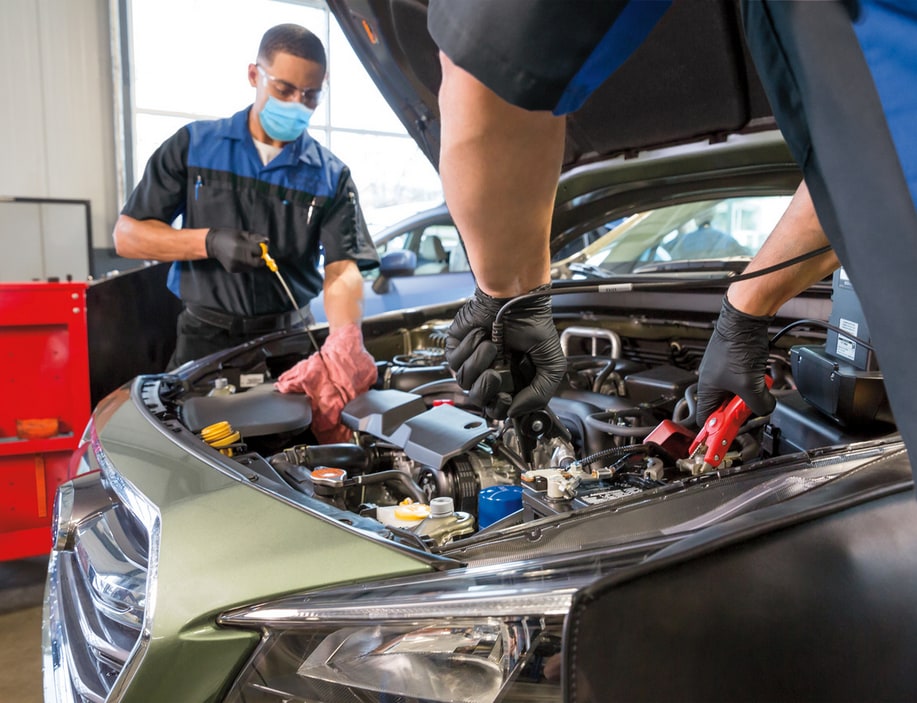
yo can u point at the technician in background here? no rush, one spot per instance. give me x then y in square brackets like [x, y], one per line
[256, 177]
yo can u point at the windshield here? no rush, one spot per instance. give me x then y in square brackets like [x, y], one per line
[728, 229]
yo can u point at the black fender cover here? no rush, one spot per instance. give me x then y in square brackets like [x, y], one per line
[814, 599]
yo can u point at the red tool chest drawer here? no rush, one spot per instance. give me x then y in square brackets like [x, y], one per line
[44, 405]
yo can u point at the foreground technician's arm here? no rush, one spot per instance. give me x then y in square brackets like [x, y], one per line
[500, 165]
[735, 361]
[511, 70]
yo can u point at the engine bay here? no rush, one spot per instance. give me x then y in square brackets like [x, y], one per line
[427, 468]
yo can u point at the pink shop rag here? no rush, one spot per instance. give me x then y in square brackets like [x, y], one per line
[332, 378]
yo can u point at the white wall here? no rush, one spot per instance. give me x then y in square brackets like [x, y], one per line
[56, 115]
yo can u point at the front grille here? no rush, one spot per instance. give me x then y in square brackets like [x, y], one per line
[97, 598]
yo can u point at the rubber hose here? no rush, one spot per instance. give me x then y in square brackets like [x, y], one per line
[596, 421]
[342, 455]
[602, 376]
[691, 401]
[406, 482]
[295, 474]
[750, 447]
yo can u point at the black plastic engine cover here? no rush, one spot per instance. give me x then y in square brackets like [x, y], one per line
[430, 437]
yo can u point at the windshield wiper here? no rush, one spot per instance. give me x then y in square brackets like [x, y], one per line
[736, 265]
[589, 270]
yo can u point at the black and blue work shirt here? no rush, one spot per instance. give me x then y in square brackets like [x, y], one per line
[304, 201]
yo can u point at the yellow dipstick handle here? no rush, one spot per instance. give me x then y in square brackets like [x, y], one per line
[268, 259]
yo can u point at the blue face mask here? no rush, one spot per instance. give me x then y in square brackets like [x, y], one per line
[284, 121]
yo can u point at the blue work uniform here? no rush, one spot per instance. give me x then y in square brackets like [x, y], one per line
[841, 77]
[210, 174]
[542, 54]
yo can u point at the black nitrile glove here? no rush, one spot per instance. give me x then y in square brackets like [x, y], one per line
[537, 363]
[735, 364]
[236, 249]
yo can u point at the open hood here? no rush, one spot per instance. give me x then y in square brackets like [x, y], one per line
[692, 79]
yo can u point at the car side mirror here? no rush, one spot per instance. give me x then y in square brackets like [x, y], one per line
[394, 264]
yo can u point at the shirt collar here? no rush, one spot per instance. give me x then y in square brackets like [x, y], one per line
[304, 149]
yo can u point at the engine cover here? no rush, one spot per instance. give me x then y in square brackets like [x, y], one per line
[429, 437]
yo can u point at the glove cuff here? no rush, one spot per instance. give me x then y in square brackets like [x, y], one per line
[208, 242]
[502, 301]
[493, 305]
[737, 316]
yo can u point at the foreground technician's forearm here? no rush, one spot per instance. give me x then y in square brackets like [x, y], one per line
[797, 233]
[499, 166]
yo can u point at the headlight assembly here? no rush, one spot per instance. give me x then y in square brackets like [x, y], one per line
[442, 638]
[462, 660]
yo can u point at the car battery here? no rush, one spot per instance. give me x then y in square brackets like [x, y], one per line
[536, 503]
[847, 315]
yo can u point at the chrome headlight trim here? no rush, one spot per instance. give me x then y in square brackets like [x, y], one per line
[101, 587]
[441, 606]
[62, 524]
[522, 588]
[473, 660]
[149, 516]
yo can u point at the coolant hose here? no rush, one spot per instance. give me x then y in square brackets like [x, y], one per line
[596, 421]
[352, 457]
[690, 402]
[292, 472]
[406, 482]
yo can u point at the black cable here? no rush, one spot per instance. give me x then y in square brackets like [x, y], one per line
[610, 287]
[612, 451]
[622, 463]
[826, 325]
[312, 340]
[596, 421]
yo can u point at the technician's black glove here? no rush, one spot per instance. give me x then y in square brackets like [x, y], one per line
[735, 364]
[537, 363]
[236, 249]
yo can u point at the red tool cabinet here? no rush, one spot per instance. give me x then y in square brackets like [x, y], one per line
[44, 405]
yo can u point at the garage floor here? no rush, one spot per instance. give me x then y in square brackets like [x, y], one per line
[21, 594]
